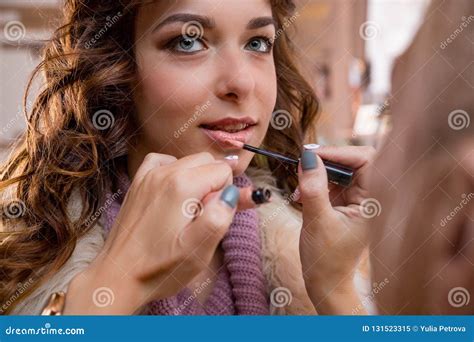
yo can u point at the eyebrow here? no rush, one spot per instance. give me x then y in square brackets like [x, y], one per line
[256, 23]
[208, 23]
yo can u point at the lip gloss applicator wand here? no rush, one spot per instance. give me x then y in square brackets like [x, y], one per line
[337, 174]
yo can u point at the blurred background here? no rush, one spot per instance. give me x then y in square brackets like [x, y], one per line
[346, 47]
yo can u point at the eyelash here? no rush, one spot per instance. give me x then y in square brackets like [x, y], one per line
[171, 44]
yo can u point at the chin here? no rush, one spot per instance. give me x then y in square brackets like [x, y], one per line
[239, 169]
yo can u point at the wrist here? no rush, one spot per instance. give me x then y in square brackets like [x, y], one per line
[323, 285]
[94, 292]
[334, 299]
[334, 303]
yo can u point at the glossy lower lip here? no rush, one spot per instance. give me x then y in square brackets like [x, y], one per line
[221, 137]
[232, 121]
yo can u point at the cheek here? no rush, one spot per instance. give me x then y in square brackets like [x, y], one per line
[266, 95]
[267, 89]
[166, 99]
[162, 89]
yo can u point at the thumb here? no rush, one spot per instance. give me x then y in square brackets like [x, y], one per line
[204, 233]
[313, 183]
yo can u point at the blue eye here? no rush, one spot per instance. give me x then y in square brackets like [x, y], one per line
[185, 44]
[260, 44]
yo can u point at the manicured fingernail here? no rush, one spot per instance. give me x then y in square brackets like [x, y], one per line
[296, 194]
[308, 160]
[311, 146]
[261, 195]
[232, 157]
[230, 196]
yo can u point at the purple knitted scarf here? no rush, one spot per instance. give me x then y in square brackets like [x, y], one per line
[239, 287]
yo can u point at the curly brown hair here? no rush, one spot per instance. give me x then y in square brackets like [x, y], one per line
[61, 149]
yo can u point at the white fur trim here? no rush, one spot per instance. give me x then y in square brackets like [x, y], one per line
[85, 252]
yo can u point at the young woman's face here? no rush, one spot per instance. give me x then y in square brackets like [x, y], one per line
[201, 62]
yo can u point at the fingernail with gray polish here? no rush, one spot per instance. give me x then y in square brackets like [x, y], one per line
[308, 160]
[232, 157]
[230, 196]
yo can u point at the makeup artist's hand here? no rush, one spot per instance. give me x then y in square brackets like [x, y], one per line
[158, 244]
[334, 234]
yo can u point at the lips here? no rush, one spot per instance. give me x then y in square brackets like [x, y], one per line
[229, 129]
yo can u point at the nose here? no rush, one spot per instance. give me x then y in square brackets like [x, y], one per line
[235, 80]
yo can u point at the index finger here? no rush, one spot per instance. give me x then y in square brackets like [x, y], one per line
[151, 161]
[351, 156]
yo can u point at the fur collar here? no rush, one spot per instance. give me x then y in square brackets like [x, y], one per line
[280, 225]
